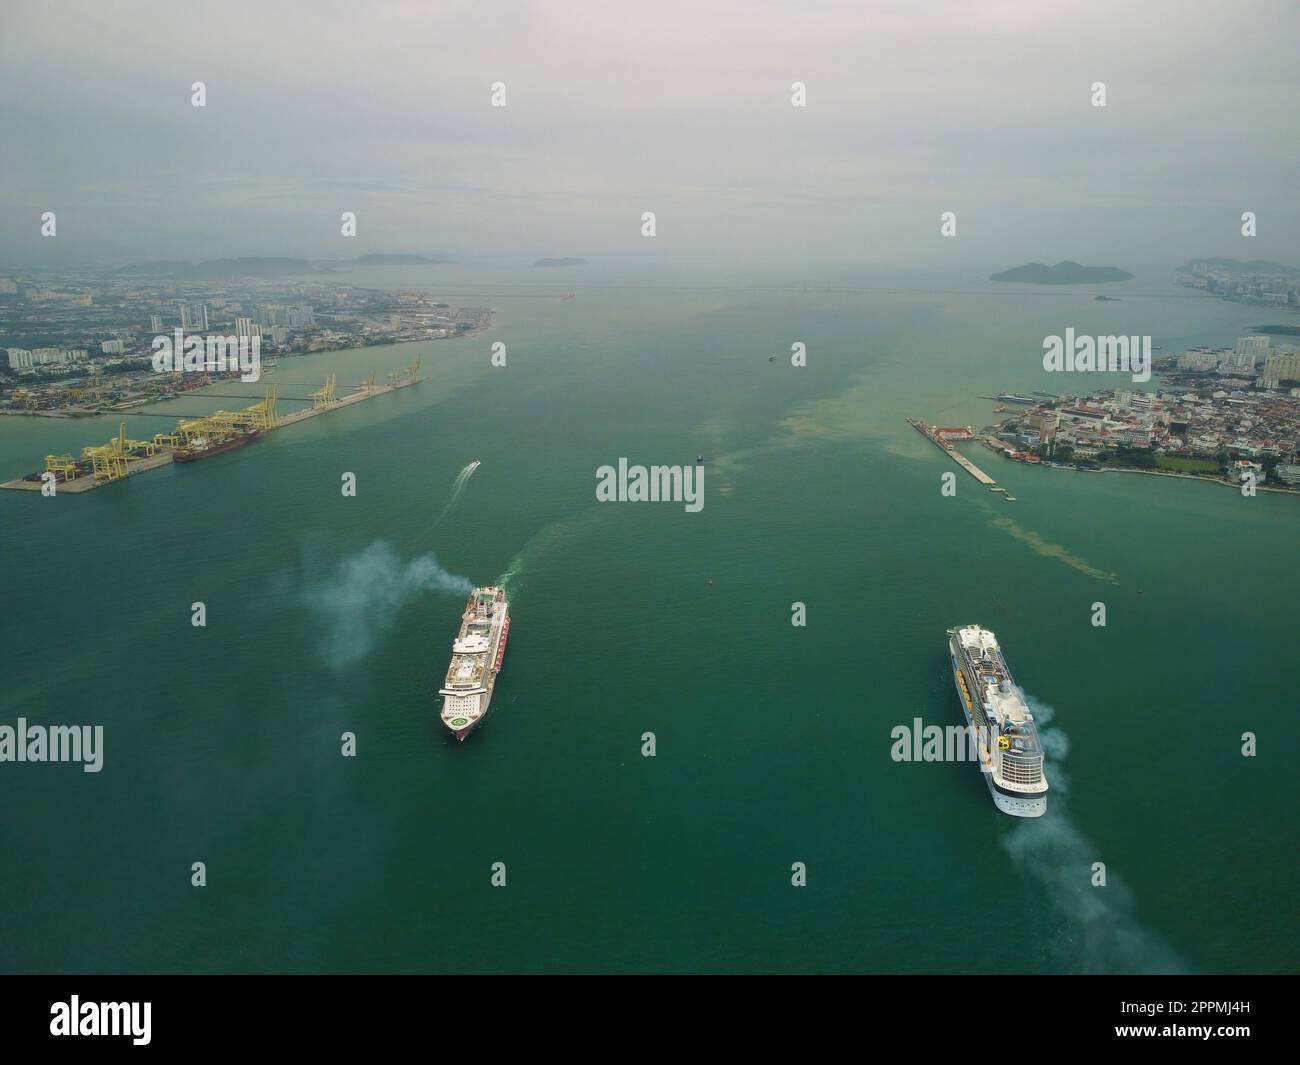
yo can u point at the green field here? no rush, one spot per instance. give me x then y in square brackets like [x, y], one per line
[1183, 465]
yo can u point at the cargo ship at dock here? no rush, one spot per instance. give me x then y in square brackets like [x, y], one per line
[476, 657]
[204, 448]
[1004, 732]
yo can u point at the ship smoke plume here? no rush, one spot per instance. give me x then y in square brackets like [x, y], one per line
[361, 599]
[1101, 932]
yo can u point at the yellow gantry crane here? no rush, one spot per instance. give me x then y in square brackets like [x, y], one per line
[190, 429]
[108, 461]
[63, 464]
[105, 463]
[325, 397]
[223, 422]
[265, 411]
[218, 424]
[407, 375]
[261, 415]
[147, 446]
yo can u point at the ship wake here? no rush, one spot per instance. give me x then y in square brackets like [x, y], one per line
[547, 539]
[457, 487]
[1102, 932]
[359, 602]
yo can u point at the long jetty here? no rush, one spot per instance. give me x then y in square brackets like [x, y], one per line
[932, 434]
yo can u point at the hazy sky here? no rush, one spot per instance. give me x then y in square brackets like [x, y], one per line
[614, 108]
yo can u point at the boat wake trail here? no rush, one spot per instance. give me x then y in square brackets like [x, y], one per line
[1102, 932]
[545, 540]
[360, 601]
[457, 486]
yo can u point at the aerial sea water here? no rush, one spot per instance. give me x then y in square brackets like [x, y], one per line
[329, 614]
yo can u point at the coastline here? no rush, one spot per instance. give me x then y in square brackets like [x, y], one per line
[139, 402]
[1194, 477]
[1160, 473]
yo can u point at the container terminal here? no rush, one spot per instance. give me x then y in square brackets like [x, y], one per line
[195, 438]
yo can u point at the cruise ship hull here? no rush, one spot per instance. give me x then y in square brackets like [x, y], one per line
[1015, 805]
[1012, 803]
[477, 657]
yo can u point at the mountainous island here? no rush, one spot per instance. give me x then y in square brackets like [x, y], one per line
[1063, 273]
[561, 262]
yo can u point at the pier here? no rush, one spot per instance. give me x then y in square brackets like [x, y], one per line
[935, 436]
[121, 458]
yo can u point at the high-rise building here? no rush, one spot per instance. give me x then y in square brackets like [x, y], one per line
[280, 334]
[1198, 361]
[1252, 345]
[155, 323]
[1279, 367]
[194, 316]
[7, 287]
[246, 327]
[111, 347]
[22, 359]
[1238, 362]
[395, 322]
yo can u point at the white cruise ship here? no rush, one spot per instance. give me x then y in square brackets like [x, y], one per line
[476, 658]
[1010, 754]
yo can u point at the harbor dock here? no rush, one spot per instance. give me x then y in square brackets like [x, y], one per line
[939, 437]
[121, 458]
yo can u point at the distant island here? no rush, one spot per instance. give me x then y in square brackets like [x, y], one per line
[396, 260]
[1063, 273]
[1277, 330]
[1108, 299]
[561, 262]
